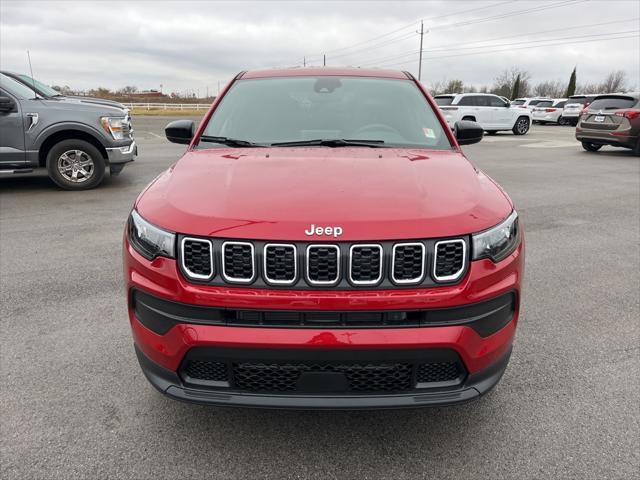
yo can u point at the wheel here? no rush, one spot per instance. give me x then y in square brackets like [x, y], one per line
[561, 120]
[491, 132]
[521, 126]
[75, 165]
[591, 147]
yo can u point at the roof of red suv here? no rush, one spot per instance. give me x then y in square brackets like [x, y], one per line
[324, 71]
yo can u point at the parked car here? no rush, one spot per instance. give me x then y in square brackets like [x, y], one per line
[49, 93]
[549, 111]
[574, 106]
[323, 243]
[75, 141]
[612, 119]
[490, 111]
[528, 102]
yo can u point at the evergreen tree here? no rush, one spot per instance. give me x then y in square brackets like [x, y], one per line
[515, 93]
[571, 88]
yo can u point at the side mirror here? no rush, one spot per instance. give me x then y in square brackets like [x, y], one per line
[468, 132]
[180, 131]
[6, 104]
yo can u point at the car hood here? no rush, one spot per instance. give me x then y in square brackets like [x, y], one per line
[277, 193]
[66, 103]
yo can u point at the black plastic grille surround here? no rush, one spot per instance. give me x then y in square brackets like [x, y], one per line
[238, 261]
[449, 258]
[339, 265]
[311, 372]
[280, 263]
[408, 262]
[197, 257]
[322, 264]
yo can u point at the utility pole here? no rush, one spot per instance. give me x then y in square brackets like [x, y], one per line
[304, 61]
[324, 60]
[421, 32]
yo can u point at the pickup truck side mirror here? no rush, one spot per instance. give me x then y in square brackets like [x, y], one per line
[468, 132]
[180, 131]
[6, 104]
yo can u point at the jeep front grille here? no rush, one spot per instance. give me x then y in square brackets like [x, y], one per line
[343, 265]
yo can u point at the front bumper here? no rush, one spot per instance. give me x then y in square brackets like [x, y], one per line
[124, 154]
[482, 354]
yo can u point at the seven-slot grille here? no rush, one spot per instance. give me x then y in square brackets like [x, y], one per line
[343, 265]
[449, 261]
[323, 264]
[237, 262]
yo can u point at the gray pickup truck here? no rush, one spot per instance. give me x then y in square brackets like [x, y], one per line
[76, 140]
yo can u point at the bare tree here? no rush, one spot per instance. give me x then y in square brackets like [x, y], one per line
[616, 81]
[549, 88]
[506, 80]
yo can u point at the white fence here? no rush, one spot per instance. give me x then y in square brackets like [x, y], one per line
[168, 106]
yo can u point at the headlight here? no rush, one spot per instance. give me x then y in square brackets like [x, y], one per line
[113, 126]
[149, 240]
[497, 242]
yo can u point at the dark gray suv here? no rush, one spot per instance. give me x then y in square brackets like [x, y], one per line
[76, 140]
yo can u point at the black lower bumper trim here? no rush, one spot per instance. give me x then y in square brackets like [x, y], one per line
[474, 386]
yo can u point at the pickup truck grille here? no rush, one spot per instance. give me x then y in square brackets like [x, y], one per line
[343, 265]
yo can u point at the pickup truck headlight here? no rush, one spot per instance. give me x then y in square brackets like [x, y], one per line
[113, 126]
[149, 240]
[498, 242]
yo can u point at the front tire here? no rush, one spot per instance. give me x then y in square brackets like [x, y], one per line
[521, 126]
[75, 165]
[591, 147]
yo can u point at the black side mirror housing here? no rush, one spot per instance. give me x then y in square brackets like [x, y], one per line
[180, 131]
[468, 132]
[6, 104]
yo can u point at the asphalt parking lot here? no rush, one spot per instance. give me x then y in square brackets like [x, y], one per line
[74, 402]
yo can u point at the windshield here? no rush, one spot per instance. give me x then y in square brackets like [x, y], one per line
[43, 89]
[444, 100]
[574, 100]
[544, 103]
[612, 103]
[16, 88]
[294, 109]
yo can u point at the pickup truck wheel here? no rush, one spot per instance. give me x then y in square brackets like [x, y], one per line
[591, 147]
[521, 126]
[75, 165]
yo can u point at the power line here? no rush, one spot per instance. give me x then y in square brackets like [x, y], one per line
[519, 48]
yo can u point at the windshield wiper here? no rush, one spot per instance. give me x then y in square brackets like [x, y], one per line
[332, 142]
[232, 142]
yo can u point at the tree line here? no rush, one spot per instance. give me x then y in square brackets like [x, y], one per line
[515, 82]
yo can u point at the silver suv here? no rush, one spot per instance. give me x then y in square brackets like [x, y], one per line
[76, 140]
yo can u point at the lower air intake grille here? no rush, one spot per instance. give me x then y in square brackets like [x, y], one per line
[204, 370]
[196, 257]
[438, 372]
[322, 264]
[260, 377]
[237, 261]
[408, 262]
[449, 262]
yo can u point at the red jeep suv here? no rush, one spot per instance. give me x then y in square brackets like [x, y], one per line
[323, 243]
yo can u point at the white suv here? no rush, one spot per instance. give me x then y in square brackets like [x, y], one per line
[574, 105]
[528, 102]
[490, 111]
[549, 111]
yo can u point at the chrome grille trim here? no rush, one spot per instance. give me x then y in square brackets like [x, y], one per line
[365, 245]
[253, 263]
[322, 282]
[454, 276]
[295, 264]
[409, 281]
[189, 273]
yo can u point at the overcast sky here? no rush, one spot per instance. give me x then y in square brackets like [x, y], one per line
[195, 45]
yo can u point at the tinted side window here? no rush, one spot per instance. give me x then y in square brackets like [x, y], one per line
[443, 100]
[482, 101]
[560, 104]
[547, 103]
[468, 101]
[497, 102]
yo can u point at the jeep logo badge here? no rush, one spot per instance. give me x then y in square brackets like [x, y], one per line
[329, 231]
